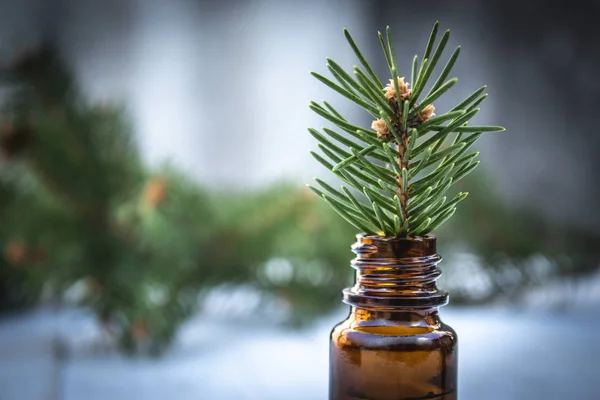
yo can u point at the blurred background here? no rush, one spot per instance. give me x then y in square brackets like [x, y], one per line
[156, 238]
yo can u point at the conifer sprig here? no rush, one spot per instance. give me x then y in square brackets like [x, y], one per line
[402, 167]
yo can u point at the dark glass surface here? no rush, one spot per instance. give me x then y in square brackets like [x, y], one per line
[393, 346]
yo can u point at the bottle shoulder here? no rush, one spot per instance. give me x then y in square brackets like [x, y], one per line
[391, 335]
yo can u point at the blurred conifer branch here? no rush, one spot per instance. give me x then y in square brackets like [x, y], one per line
[83, 218]
[401, 168]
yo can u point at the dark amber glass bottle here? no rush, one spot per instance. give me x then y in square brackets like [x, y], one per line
[393, 346]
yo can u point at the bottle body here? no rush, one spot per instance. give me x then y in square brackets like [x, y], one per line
[393, 346]
[392, 356]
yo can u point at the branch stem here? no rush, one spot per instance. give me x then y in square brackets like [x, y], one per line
[402, 161]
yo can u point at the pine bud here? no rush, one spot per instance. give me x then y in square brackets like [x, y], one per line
[390, 90]
[426, 113]
[381, 128]
[15, 252]
[155, 191]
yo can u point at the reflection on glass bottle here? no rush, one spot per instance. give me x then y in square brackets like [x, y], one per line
[393, 346]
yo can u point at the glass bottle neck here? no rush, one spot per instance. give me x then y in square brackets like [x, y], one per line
[399, 323]
[403, 315]
[395, 275]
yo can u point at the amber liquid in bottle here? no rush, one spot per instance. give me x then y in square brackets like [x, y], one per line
[393, 346]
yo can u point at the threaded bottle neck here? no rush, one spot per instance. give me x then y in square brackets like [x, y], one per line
[395, 274]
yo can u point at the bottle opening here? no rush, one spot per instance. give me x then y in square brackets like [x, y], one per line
[395, 274]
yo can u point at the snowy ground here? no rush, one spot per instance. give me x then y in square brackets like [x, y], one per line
[504, 355]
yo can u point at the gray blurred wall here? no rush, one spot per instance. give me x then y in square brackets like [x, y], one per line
[222, 87]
